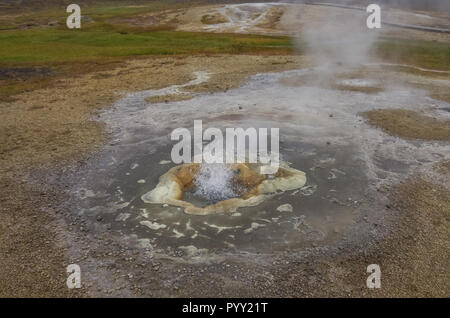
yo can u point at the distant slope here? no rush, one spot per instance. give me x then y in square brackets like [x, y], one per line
[426, 5]
[51, 3]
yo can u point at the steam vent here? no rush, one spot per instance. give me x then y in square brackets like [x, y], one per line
[233, 149]
[246, 186]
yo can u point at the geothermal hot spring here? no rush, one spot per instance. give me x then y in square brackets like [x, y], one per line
[321, 134]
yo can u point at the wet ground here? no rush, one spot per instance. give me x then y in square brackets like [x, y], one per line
[321, 133]
[292, 18]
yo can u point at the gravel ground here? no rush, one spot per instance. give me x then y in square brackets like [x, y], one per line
[47, 134]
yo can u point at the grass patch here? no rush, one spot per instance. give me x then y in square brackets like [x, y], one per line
[409, 124]
[413, 70]
[101, 41]
[359, 89]
[94, 14]
[442, 96]
[75, 51]
[213, 19]
[426, 54]
[55, 46]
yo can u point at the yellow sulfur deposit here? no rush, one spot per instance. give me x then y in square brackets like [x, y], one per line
[258, 187]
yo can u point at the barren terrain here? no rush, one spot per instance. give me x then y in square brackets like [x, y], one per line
[379, 133]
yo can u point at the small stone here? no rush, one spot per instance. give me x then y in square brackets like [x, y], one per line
[285, 208]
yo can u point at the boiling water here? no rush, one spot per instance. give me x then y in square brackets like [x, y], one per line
[215, 183]
[321, 134]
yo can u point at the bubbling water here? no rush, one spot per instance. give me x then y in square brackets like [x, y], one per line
[215, 182]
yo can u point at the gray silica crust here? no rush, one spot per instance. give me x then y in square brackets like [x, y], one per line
[321, 134]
